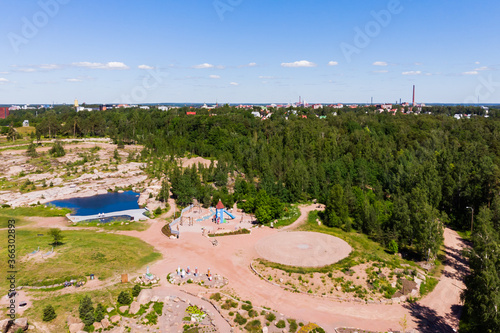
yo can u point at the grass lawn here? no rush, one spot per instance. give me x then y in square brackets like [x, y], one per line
[83, 253]
[117, 225]
[25, 130]
[20, 213]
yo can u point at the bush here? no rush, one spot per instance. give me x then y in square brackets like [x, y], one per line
[158, 308]
[136, 290]
[85, 307]
[49, 313]
[57, 150]
[270, 316]
[254, 326]
[31, 151]
[124, 298]
[158, 211]
[392, 246]
[99, 312]
[89, 319]
[281, 324]
[240, 319]
[293, 325]
[216, 297]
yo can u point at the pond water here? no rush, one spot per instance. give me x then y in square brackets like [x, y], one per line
[104, 203]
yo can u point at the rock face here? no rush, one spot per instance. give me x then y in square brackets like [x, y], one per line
[20, 323]
[123, 308]
[115, 319]
[105, 323]
[145, 296]
[72, 320]
[4, 325]
[134, 308]
[97, 326]
[74, 328]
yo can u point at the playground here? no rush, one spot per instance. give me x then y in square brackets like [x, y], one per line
[212, 220]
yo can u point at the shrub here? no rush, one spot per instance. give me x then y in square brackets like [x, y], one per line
[392, 246]
[57, 150]
[136, 290]
[157, 211]
[240, 319]
[293, 325]
[158, 308]
[247, 307]
[49, 313]
[281, 324]
[216, 297]
[31, 151]
[252, 313]
[124, 298]
[254, 326]
[99, 312]
[85, 307]
[270, 316]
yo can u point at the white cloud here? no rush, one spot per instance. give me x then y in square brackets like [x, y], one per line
[220, 67]
[113, 65]
[379, 63]
[234, 84]
[49, 66]
[477, 62]
[333, 63]
[483, 68]
[214, 76]
[203, 66]
[470, 73]
[145, 67]
[266, 77]
[74, 80]
[381, 72]
[418, 64]
[412, 73]
[301, 63]
[4, 73]
[3, 80]
[26, 70]
[252, 64]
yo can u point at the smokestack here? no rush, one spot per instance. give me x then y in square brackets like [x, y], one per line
[413, 95]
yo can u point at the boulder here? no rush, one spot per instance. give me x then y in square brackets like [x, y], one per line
[97, 326]
[144, 296]
[74, 328]
[123, 308]
[110, 309]
[116, 318]
[105, 323]
[20, 323]
[155, 299]
[3, 325]
[73, 320]
[134, 308]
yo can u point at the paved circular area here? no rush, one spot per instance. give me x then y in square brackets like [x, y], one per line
[303, 249]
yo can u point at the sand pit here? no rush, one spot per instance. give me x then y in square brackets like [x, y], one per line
[303, 249]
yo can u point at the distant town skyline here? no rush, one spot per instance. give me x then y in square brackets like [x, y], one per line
[249, 51]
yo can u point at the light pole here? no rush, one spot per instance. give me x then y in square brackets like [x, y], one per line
[472, 219]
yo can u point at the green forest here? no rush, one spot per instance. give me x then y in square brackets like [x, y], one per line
[397, 178]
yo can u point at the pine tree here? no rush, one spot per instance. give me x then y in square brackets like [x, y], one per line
[85, 307]
[99, 312]
[124, 298]
[49, 313]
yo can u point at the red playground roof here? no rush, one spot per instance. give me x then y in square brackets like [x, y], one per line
[220, 205]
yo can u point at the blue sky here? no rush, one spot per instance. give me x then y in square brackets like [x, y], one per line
[250, 51]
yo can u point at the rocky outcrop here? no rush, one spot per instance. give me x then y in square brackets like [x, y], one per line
[134, 308]
[145, 296]
[77, 327]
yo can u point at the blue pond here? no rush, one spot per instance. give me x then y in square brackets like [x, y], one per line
[104, 203]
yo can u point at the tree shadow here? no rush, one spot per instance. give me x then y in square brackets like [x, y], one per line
[457, 261]
[428, 320]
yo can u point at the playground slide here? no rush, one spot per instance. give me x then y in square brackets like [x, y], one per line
[229, 214]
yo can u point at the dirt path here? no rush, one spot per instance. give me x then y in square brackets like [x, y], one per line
[304, 214]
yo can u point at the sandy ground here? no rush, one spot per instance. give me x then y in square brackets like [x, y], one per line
[303, 249]
[232, 257]
[439, 311]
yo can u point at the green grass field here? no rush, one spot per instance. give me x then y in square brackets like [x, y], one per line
[117, 225]
[83, 253]
[20, 214]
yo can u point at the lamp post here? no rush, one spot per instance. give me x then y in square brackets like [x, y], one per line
[472, 219]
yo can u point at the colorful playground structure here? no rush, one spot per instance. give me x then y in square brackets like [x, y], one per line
[219, 213]
[195, 218]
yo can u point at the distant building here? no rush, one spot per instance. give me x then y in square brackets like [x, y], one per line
[4, 112]
[191, 113]
[76, 103]
[163, 108]
[26, 123]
